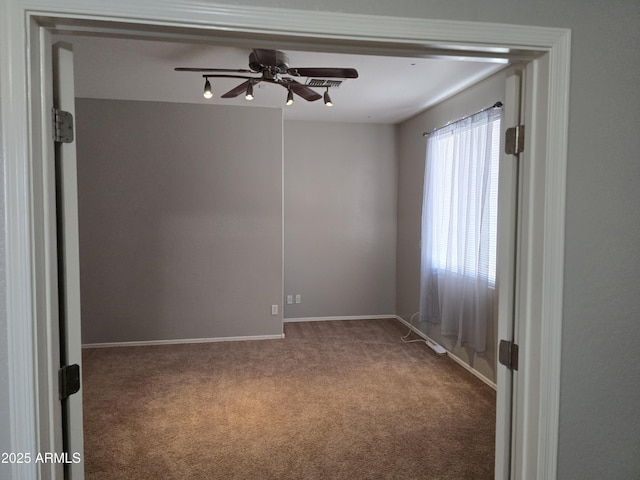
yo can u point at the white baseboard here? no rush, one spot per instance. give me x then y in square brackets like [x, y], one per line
[473, 371]
[459, 361]
[183, 340]
[327, 319]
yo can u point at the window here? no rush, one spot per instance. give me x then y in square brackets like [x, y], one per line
[462, 200]
[459, 227]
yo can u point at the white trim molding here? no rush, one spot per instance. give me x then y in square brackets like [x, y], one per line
[338, 318]
[552, 280]
[181, 341]
[22, 147]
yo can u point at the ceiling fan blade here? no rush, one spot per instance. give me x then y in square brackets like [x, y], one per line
[222, 75]
[324, 72]
[191, 69]
[305, 92]
[234, 92]
[242, 88]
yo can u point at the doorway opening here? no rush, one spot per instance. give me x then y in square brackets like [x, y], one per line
[121, 137]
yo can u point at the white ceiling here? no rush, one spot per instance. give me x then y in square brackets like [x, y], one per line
[388, 90]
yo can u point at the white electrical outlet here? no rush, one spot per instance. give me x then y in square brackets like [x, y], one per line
[274, 309]
[298, 298]
[289, 299]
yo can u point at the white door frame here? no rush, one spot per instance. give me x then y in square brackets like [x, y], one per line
[28, 290]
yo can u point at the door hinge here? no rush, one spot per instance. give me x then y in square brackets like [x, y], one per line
[62, 126]
[514, 140]
[508, 354]
[68, 380]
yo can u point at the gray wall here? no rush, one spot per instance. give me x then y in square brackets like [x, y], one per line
[340, 218]
[180, 220]
[411, 157]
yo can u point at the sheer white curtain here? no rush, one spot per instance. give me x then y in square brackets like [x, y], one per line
[459, 227]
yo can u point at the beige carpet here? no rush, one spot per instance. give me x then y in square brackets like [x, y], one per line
[333, 400]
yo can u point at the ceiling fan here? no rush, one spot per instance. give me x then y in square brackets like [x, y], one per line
[272, 66]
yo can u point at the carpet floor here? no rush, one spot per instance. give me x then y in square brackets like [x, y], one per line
[333, 400]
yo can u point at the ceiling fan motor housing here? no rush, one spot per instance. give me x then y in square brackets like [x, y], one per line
[272, 61]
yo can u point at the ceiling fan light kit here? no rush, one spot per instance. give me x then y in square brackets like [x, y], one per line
[272, 66]
[327, 99]
[208, 93]
[249, 95]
